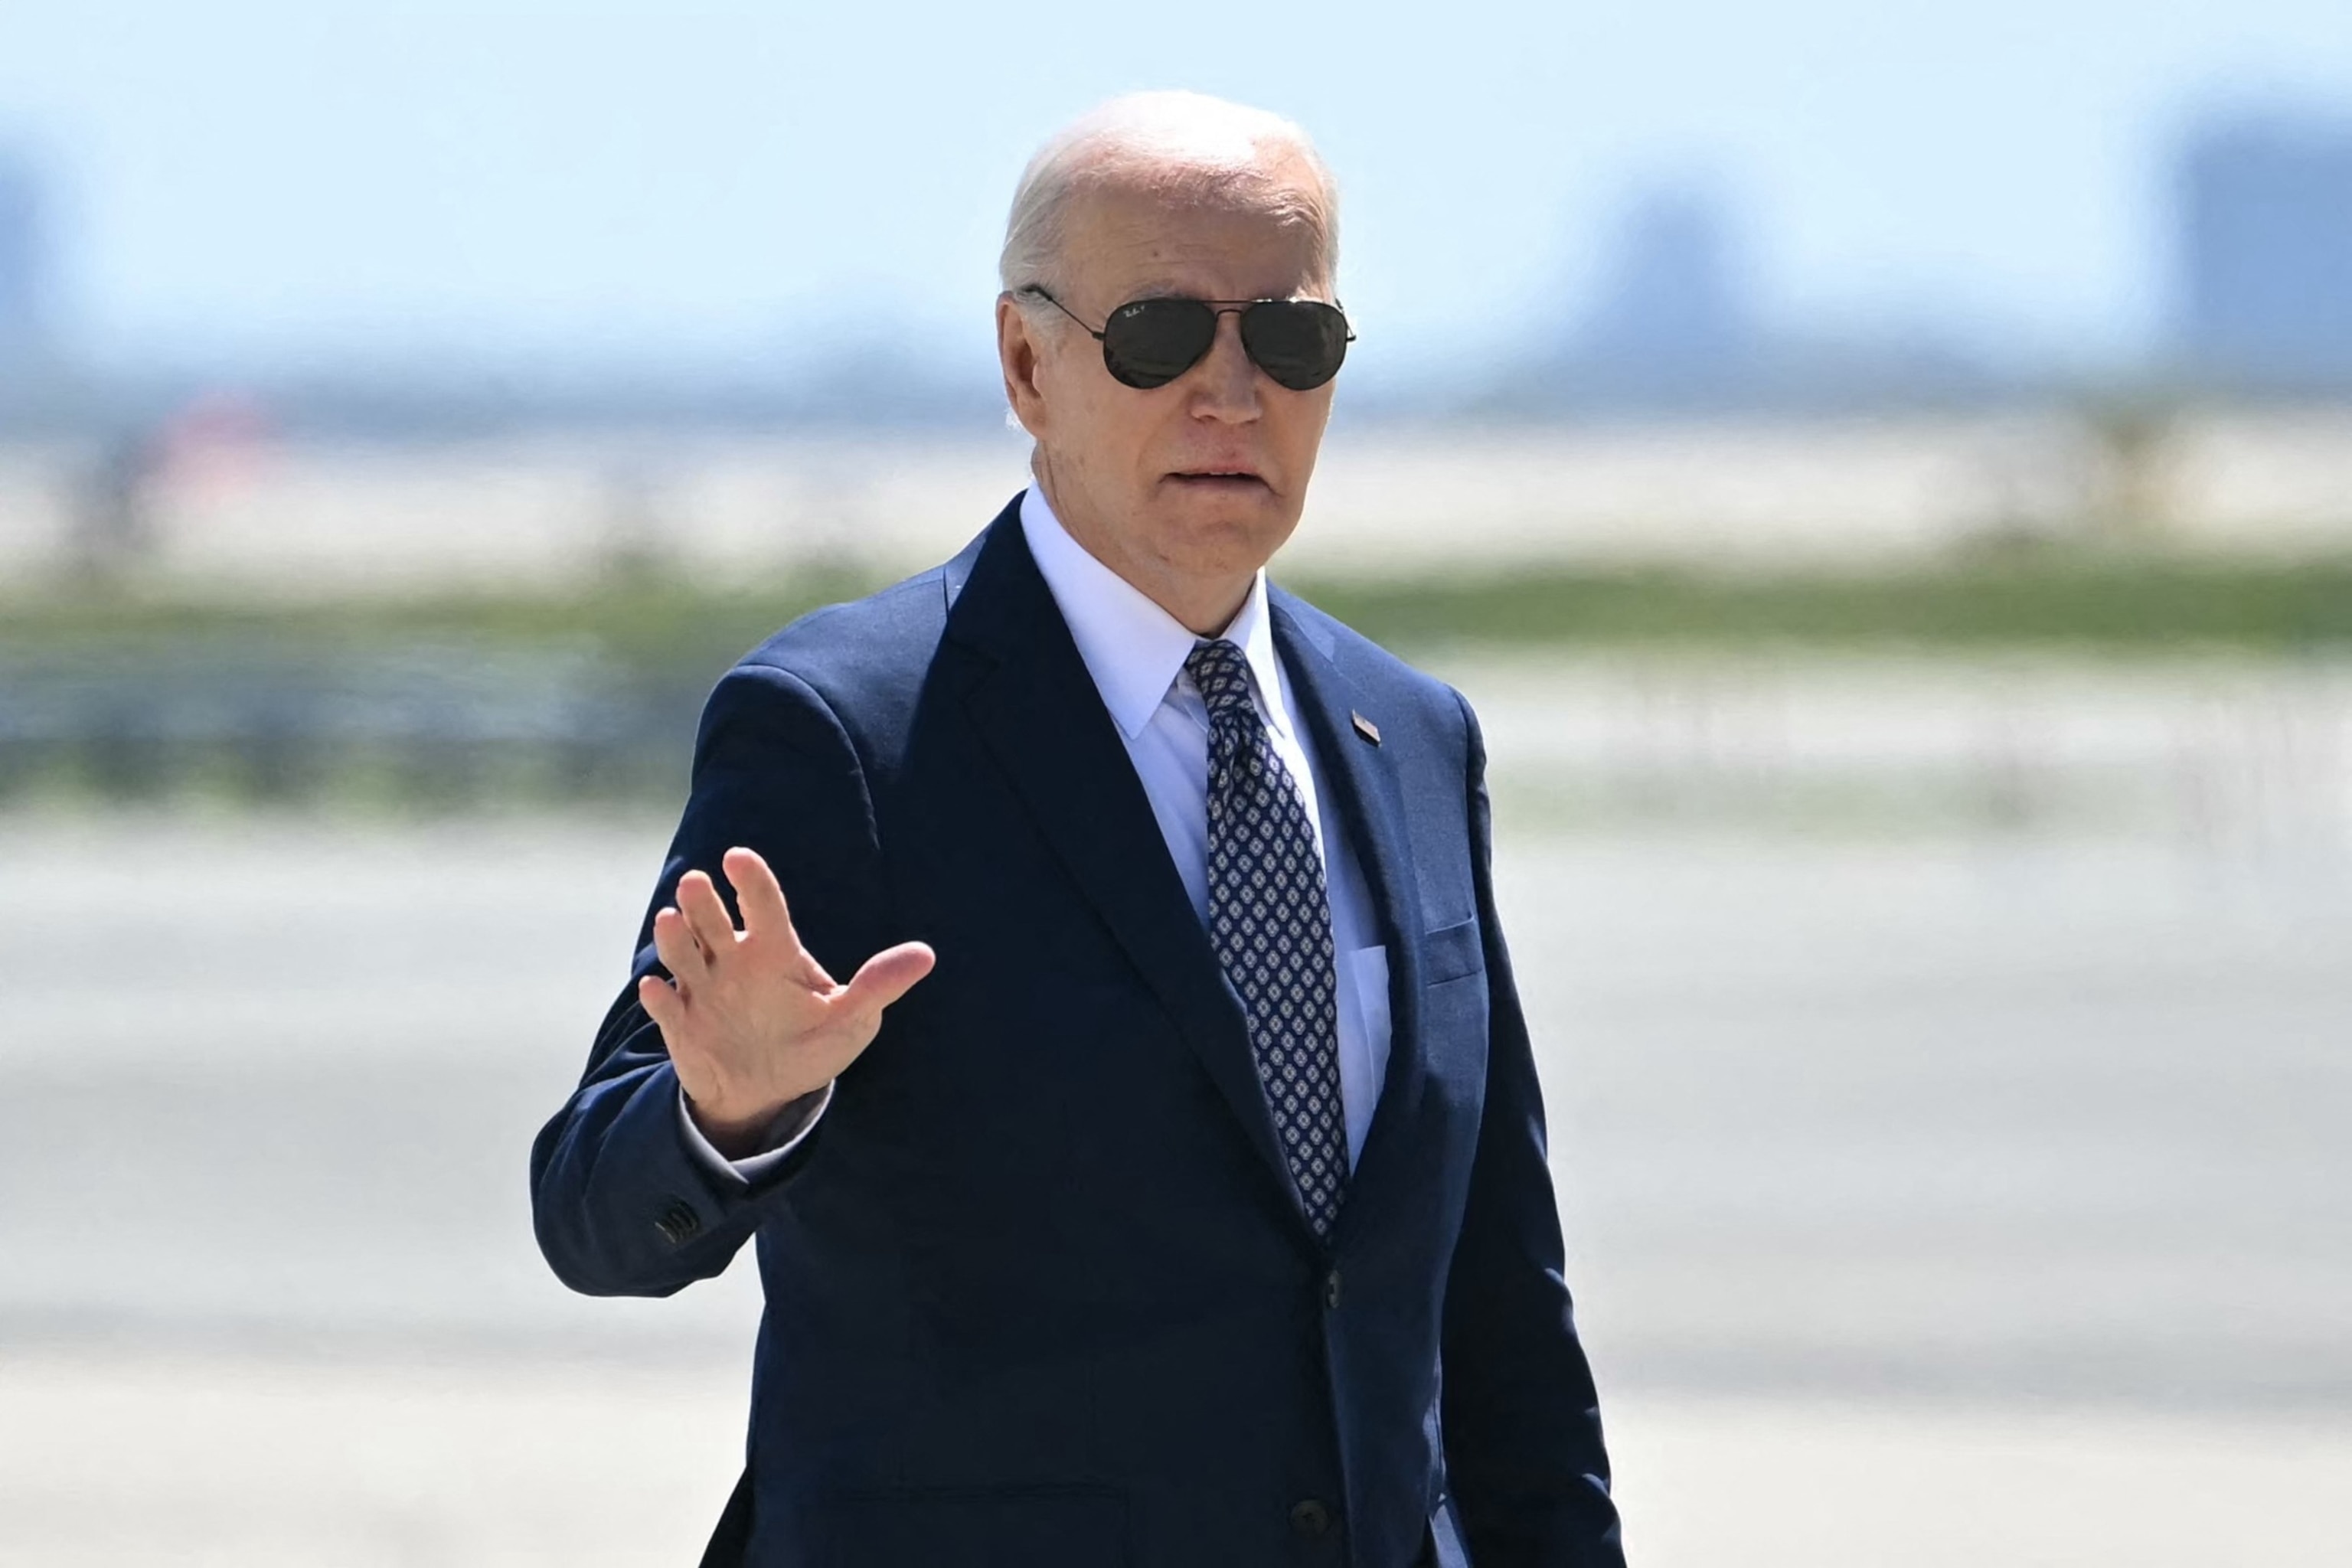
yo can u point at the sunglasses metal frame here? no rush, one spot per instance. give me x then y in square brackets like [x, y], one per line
[1217, 309]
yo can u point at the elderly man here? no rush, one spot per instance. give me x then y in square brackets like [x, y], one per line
[1166, 1185]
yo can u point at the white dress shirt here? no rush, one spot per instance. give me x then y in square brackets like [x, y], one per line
[1136, 652]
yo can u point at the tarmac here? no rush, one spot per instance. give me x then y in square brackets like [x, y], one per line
[1933, 1197]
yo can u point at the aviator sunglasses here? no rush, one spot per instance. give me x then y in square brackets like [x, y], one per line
[1149, 342]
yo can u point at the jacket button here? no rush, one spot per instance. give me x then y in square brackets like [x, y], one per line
[679, 1224]
[1331, 1290]
[1310, 1518]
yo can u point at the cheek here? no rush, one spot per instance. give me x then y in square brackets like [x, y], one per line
[1297, 425]
[1145, 431]
[1062, 384]
[1097, 405]
[1076, 388]
[1083, 423]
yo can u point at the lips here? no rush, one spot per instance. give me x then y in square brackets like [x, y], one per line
[1218, 478]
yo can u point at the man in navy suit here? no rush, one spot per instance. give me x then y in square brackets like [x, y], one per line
[1166, 1187]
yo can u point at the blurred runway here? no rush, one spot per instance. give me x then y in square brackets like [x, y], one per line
[1935, 1197]
[233, 507]
[267, 1464]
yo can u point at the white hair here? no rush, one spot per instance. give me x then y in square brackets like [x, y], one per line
[1186, 143]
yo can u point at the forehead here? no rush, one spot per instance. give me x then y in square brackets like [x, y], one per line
[1248, 242]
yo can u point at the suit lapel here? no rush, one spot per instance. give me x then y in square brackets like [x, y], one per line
[1371, 806]
[1040, 717]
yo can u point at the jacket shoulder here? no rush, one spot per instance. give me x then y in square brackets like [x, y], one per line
[842, 648]
[863, 662]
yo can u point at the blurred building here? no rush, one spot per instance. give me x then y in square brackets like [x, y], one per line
[2266, 244]
[1674, 319]
[1677, 326]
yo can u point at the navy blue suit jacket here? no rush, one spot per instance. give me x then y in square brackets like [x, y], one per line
[1039, 1292]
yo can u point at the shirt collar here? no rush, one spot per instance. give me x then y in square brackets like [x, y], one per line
[1134, 649]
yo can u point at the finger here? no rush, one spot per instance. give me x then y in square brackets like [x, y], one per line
[676, 946]
[768, 917]
[662, 1005]
[759, 895]
[888, 975]
[705, 914]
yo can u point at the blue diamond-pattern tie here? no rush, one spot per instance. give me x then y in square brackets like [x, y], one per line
[1270, 922]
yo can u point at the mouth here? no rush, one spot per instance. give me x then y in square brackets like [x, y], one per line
[1215, 481]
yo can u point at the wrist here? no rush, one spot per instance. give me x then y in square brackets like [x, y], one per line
[735, 1137]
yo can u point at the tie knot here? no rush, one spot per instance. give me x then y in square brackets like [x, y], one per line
[1220, 670]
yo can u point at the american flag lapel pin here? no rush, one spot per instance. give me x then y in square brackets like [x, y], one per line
[1365, 727]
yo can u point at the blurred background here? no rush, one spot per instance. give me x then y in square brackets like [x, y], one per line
[1885, 475]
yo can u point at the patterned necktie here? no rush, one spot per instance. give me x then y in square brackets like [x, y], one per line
[1270, 922]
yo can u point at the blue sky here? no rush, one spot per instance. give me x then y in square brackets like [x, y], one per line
[262, 180]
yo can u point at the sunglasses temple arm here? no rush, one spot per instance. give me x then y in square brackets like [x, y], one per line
[1034, 288]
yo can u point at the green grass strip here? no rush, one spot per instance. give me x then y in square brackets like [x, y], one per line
[2114, 604]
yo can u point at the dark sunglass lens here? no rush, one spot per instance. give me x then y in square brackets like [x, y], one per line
[1299, 343]
[1151, 343]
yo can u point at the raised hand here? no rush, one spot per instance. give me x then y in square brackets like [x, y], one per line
[752, 1020]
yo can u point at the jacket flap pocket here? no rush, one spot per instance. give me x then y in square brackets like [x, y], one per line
[1451, 952]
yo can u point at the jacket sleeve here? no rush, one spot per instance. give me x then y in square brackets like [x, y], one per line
[621, 1205]
[1529, 1476]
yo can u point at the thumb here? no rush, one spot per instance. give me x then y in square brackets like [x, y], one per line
[888, 975]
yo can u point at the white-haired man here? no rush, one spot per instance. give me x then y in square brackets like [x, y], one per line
[1166, 1187]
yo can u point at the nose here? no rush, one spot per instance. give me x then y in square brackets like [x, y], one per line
[1224, 384]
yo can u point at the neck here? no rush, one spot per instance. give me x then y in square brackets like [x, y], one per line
[1202, 604]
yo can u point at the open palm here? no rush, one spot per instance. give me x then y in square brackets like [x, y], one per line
[752, 1019]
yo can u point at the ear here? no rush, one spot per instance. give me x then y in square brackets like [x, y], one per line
[1019, 351]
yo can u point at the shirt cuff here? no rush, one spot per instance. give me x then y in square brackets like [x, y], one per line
[792, 1125]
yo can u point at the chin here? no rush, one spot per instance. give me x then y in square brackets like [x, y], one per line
[1226, 539]
[1253, 505]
